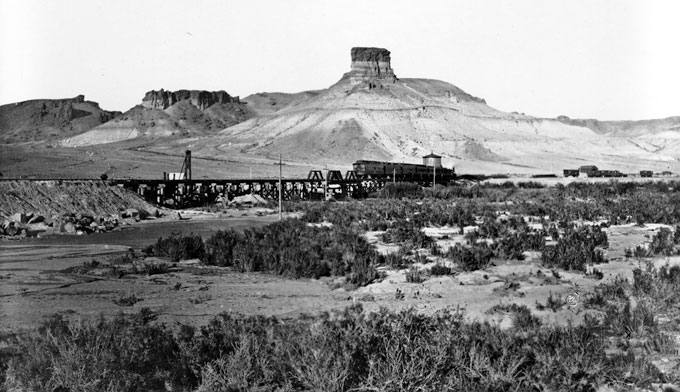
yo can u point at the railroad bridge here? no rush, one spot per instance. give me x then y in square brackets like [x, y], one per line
[178, 193]
[179, 190]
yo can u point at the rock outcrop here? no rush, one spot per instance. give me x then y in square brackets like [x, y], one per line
[46, 119]
[162, 113]
[162, 99]
[371, 65]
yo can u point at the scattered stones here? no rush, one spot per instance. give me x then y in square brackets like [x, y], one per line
[30, 224]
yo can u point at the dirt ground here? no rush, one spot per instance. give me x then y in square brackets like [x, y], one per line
[35, 280]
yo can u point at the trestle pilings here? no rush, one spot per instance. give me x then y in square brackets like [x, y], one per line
[184, 193]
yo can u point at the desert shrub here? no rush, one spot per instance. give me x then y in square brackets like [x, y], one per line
[435, 250]
[178, 247]
[399, 190]
[596, 274]
[350, 350]
[127, 300]
[553, 303]
[396, 260]
[415, 275]
[661, 286]
[471, 258]
[523, 319]
[406, 232]
[126, 258]
[643, 281]
[379, 214]
[512, 246]
[609, 293]
[219, 248]
[630, 320]
[663, 242]
[576, 249]
[153, 268]
[121, 354]
[293, 248]
[531, 185]
[439, 270]
[505, 308]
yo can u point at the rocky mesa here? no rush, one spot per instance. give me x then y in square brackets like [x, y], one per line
[43, 120]
[371, 65]
[371, 114]
[165, 114]
[202, 100]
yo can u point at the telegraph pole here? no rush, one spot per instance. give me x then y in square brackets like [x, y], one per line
[280, 191]
[434, 176]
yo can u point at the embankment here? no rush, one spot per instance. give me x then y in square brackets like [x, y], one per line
[56, 197]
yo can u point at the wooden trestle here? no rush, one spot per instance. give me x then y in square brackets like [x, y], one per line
[183, 193]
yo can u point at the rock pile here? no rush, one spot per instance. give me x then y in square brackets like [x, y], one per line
[31, 224]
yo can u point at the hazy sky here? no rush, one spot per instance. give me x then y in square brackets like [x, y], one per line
[586, 59]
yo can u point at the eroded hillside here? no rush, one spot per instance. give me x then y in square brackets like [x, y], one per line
[50, 119]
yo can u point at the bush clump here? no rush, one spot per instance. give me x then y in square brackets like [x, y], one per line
[178, 247]
[349, 351]
[577, 248]
[293, 248]
[472, 258]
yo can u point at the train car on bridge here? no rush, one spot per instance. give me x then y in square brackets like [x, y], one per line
[430, 168]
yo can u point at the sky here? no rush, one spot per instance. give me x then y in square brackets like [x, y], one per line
[604, 59]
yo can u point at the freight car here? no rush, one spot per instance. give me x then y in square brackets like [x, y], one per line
[592, 171]
[402, 171]
[646, 173]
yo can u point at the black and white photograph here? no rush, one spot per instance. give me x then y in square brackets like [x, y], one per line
[339, 196]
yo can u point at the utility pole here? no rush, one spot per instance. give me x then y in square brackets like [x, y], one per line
[325, 182]
[434, 176]
[280, 191]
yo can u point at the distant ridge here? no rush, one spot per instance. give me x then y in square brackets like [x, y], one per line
[43, 120]
[369, 113]
[166, 114]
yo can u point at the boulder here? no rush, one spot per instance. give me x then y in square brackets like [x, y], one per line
[12, 229]
[18, 217]
[68, 227]
[129, 213]
[36, 219]
[85, 220]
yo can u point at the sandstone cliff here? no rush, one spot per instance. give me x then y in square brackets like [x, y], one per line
[48, 119]
[371, 65]
[162, 99]
[168, 114]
